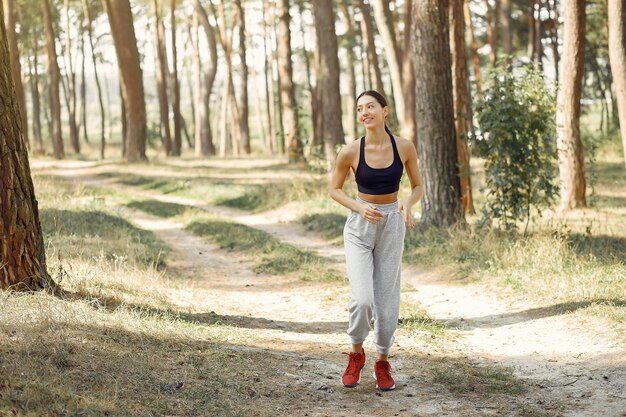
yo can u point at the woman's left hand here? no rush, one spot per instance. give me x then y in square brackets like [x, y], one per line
[408, 216]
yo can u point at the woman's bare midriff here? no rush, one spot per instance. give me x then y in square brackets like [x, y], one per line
[379, 199]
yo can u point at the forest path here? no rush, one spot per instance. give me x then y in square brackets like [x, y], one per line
[572, 366]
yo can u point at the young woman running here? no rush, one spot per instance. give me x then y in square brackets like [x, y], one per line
[374, 233]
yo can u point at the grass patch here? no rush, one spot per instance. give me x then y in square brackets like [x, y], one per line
[469, 378]
[413, 318]
[329, 225]
[276, 257]
[158, 208]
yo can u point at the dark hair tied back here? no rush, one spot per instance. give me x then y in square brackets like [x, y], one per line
[380, 98]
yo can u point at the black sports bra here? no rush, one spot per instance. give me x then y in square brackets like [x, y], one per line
[377, 181]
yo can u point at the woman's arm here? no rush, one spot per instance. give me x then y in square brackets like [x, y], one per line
[338, 177]
[417, 191]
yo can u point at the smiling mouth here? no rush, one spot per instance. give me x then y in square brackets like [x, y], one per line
[369, 119]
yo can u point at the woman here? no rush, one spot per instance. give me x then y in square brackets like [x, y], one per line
[374, 233]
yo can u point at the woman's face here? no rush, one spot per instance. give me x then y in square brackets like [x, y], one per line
[369, 111]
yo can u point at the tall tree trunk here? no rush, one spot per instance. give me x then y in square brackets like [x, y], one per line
[387, 33]
[368, 82]
[328, 76]
[474, 46]
[538, 46]
[161, 77]
[570, 150]
[244, 129]
[83, 86]
[408, 76]
[351, 99]
[553, 11]
[53, 87]
[206, 135]
[307, 64]
[492, 33]
[175, 88]
[287, 91]
[617, 55]
[33, 77]
[22, 251]
[121, 21]
[16, 68]
[269, 82]
[531, 30]
[460, 83]
[368, 39]
[71, 82]
[437, 151]
[97, 78]
[505, 17]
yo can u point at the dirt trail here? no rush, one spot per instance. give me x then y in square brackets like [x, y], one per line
[571, 366]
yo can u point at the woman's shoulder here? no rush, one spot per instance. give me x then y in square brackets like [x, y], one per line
[350, 148]
[403, 143]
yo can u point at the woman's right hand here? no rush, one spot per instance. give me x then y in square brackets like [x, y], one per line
[370, 213]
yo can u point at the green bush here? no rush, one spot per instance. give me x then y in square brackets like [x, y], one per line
[517, 140]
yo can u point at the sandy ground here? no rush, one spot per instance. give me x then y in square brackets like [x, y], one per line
[571, 365]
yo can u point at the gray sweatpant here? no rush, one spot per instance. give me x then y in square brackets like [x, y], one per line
[373, 261]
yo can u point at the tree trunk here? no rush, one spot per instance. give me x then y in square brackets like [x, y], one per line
[538, 45]
[531, 31]
[351, 99]
[474, 45]
[83, 86]
[368, 40]
[617, 55]
[408, 77]
[328, 77]
[490, 21]
[387, 33]
[71, 82]
[269, 82]
[161, 77]
[244, 129]
[505, 17]
[16, 68]
[287, 91]
[570, 150]
[175, 87]
[121, 21]
[460, 83]
[33, 77]
[55, 79]
[442, 205]
[206, 135]
[95, 72]
[553, 10]
[22, 251]
[307, 63]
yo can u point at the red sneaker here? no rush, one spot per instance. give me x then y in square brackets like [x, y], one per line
[382, 374]
[352, 375]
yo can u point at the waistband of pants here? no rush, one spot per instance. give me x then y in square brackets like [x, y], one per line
[383, 208]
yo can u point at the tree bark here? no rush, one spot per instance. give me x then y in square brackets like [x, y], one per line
[408, 77]
[460, 83]
[328, 77]
[53, 87]
[287, 92]
[95, 71]
[368, 39]
[437, 151]
[71, 82]
[347, 20]
[505, 17]
[22, 251]
[175, 86]
[617, 55]
[269, 82]
[161, 77]
[244, 129]
[474, 46]
[387, 33]
[16, 68]
[121, 21]
[207, 146]
[33, 77]
[570, 150]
